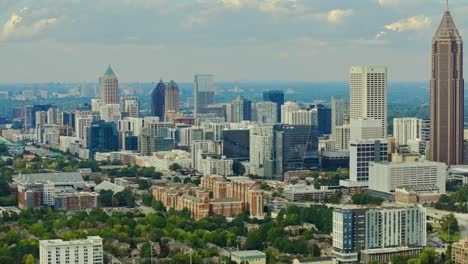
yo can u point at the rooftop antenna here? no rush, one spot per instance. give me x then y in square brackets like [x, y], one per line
[446, 5]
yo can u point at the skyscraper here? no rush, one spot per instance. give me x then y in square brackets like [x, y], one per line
[368, 94]
[276, 96]
[447, 94]
[130, 106]
[158, 100]
[103, 137]
[241, 109]
[203, 92]
[171, 97]
[340, 112]
[109, 87]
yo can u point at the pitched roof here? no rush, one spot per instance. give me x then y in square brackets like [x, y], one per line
[107, 185]
[109, 72]
[447, 28]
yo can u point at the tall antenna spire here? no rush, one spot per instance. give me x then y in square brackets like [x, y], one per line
[446, 5]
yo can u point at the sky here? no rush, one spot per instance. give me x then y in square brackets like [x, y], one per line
[236, 40]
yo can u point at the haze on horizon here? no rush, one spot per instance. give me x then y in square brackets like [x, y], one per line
[297, 40]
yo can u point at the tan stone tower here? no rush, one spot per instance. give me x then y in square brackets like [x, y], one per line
[447, 94]
[109, 87]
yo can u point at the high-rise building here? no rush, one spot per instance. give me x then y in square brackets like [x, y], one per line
[405, 129]
[110, 112]
[388, 230]
[241, 109]
[276, 96]
[53, 115]
[286, 111]
[158, 100]
[361, 152]
[203, 92]
[266, 112]
[340, 113]
[368, 94]
[365, 128]
[130, 106]
[295, 148]
[236, 143]
[85, 251]
[103, 137]
[171, 97]
[261, 149]
[109, 87]
[447, 94]
[324, 118]
[41, 118]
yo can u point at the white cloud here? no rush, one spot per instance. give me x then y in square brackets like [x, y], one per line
[336, 16]
[16, 28]
[272, 7]
[410, 24]
[388, 2]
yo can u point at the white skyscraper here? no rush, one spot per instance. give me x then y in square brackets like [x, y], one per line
[261, 148]
[406, 129]
[130, 106]
[204, 91]
[365, 128]
[286, 111]
[368, 94]
[110, 113]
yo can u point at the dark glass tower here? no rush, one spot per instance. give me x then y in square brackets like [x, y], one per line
[276, 96]
[158, 100]
[103, 137]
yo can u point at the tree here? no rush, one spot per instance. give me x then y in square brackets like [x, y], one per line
[105, 196]
[176, 179]
[238, 168]
[29, 259]
[364, 199]
[175, 167]
[428, 256]
[147, 199]
[144, 184]
[449, 224]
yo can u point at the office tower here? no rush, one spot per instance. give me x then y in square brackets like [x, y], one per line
[303, 117]
[203, 148]
[368, 94]
[236, 143]
[385, 177]
[110, 113]
[286, 111]
[447, 94]
[295, 148]
[365, 128]
[405, 129]
[30, 114]
[130, 106]
[267, 112]
[361, 152]
[342, 136]
[53, 116]
[203, 92]
[95, 104]
[158, 99]
[324, 118]
[241, 109]
[386, 232]
[276, 96]
[41, 118]
[261, 149]
[84, 251]
[171, 97]
[103, 137]
[148, 144]
[109, 87]
[340, 113]
[67, 118]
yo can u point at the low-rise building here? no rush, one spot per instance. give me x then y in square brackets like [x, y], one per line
[385, 255]
[248, 256]
[294, 193]
[85, 251]
[76, 201]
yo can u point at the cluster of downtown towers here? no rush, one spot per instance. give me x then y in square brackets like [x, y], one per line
[446, 95]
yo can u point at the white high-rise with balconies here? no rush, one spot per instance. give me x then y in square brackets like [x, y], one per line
[407, 129]
[286, 111]
[368, 94]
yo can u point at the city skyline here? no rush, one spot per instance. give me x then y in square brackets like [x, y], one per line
[32, 32]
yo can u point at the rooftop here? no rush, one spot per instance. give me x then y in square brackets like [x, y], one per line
[57, 177]
[248, 254]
